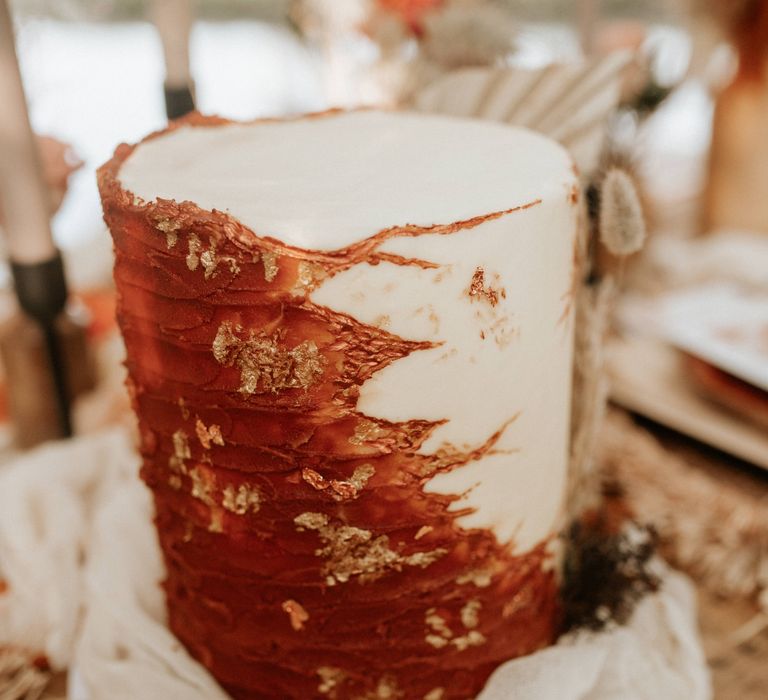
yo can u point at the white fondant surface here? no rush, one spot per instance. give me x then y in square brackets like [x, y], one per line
[520, 371]
[326, 183]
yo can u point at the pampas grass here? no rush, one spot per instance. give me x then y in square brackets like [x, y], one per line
[713, 524]
[621, 221]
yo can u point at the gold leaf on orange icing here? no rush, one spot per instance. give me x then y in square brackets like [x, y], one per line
[351, 551]
[386, 689]
[193, 257]
[439, 634]
[264, 364]
[246, 498]
[308, 274]
[296, 614]
[365, 431]
[202, 485]
[330, 679]
[435, 694]
[480, 578]
[181, 452]
[269, 260]
[209, 435]
[209, 261]
[423, 530]
[341, 489]
[170, 228]
[470, 614]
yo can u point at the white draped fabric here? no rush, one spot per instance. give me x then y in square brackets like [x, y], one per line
[82, 566]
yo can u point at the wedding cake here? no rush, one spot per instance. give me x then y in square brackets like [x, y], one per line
[349, 345]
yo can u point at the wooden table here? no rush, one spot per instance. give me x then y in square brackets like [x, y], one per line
[739, 672]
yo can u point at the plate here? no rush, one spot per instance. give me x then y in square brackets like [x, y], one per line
[646, 378]
[724, 325]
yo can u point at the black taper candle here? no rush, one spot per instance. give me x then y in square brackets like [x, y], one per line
[174, 20]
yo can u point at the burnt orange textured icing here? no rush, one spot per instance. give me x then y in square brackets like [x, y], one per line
[304, 557]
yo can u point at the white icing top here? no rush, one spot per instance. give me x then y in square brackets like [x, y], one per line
[328, 182]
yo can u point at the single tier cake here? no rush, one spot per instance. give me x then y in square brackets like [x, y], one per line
[349, 343]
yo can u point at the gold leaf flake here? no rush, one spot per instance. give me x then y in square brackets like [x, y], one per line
[424, 559]
[202, 485]
[225, 343]
[440, 635]
[341, 489]
[480, 578]
[435, 694]
[310, 521]
[181, 445]
[193, 257]
[209, 261]
[361, 475]
[269, 260]
[348, 489]
[184, 409]
[436, 641]
[315, 479]
[296, 614]
[307, 276]
[174, 481]
[217, 520]
[241, 501]
[181, 452]
[169, 227]
[423, 530]
[307, 363]
[330, 680]
[386, 689]
[480, 292]
[208, 436]
[437, 624]
[351, 551]
[470, 614]
[471, 639]
[365, 431]
[264, 364]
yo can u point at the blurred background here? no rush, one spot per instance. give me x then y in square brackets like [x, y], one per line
[93, 70]
[687, 345]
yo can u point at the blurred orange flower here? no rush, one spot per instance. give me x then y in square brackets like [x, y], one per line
[411, 12]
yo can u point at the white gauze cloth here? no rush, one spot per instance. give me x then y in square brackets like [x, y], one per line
[82, 564]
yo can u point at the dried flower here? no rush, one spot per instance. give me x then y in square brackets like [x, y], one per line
[411, 12]
[622, 226]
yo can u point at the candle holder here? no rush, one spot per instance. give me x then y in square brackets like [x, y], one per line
[179, 100]
[39, 398]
